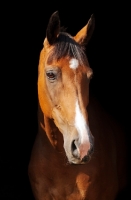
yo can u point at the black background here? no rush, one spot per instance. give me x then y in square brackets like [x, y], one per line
[23, 27]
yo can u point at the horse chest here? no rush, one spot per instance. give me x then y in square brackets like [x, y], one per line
[68, 182]
[66, 186]
[54, 181]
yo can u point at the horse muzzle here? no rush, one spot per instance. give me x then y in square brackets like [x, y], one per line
[79, 152]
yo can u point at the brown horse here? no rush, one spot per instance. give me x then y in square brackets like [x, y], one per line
[79, 152]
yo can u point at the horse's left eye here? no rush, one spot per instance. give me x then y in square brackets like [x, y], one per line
[51, 75]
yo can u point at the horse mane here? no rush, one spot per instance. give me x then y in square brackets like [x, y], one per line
[64, 46]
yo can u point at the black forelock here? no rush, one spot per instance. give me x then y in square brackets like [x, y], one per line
[64, 46]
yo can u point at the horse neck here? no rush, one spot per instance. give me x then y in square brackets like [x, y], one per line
[49, 132]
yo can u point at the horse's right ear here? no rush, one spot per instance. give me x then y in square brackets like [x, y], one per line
[53, 28]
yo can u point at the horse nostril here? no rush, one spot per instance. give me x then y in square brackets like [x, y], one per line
[85, 159]
[74, 149]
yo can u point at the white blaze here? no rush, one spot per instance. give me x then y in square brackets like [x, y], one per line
[83, 131]
[73, 63]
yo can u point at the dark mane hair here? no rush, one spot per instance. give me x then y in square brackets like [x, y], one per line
[65, 45]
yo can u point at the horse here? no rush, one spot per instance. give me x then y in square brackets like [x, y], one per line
[79, 150]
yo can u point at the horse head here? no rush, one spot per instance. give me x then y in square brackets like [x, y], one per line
[63, 87]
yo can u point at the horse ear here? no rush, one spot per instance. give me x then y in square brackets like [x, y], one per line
[84, 35]
[53, 28]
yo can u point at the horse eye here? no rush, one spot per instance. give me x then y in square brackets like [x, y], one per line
[50, 75]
